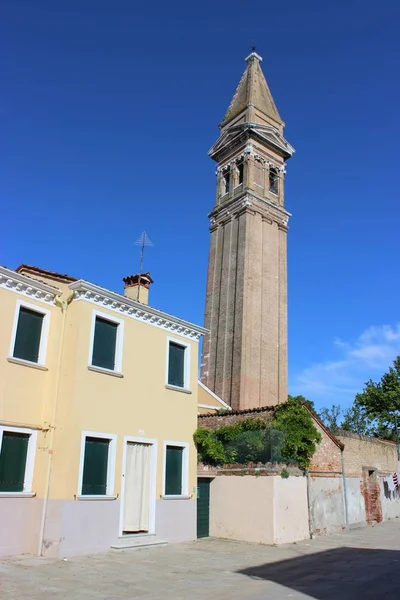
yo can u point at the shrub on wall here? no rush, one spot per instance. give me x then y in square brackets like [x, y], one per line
[248, 440]
[290, 436]
[300, 434]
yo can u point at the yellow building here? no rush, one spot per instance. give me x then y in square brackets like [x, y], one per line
[98, 406]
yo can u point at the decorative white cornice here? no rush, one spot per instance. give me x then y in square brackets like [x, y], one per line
[267, 133]
[257, 203]
[27, 286]
[136, 310]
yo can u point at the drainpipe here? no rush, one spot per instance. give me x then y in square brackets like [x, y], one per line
[346, 508]
[63, 304]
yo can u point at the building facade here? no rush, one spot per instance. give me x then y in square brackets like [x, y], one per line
[244, 358]
[98, 406]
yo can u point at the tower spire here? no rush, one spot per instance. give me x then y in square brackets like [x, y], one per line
[244, 359]
[253, 94]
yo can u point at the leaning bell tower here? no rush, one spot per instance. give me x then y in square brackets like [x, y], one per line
[245, 356]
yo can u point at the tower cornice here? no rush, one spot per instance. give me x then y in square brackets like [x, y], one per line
[249, 202]
[239, 134]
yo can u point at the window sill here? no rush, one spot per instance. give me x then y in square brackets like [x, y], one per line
[105, 371]
[17, 494]
[182, 497]
[26, 363]
[94, 497]
[177, 389]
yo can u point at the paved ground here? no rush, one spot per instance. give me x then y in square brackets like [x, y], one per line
[361, 564]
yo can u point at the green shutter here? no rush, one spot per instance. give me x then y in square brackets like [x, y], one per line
[173, 471]
[104, 344]
[27, 338]
[94, 481]
[176, 365]
[14, 448]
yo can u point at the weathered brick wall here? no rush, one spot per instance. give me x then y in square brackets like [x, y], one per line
[327, 457]
[215, 421]
[256, 470]
[372, 497]
[361, 451]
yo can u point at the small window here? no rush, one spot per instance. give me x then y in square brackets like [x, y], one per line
[240, 168]
[226, 182]
[273, 180]
[176, 364]
[95, 476]
[15, 450]
[259, 173]
[173, 471]
[104, 344]
[28, 335]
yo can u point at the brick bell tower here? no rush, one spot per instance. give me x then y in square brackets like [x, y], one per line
[245, 356]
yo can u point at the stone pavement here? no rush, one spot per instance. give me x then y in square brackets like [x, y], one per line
[363, 563]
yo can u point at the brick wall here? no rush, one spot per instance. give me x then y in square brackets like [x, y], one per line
[215, 421]
[328, 454]
[326, 458]
[361, 451]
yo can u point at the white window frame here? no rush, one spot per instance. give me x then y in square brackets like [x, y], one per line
[30, 457]
[112, 451]
[44, 336]
[118, 344]
[185, 470]
[186, 373]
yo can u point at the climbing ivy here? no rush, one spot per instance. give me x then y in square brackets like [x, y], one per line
[290, 435]
[300, 434]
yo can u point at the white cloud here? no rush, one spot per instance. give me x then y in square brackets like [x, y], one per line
[337, 381]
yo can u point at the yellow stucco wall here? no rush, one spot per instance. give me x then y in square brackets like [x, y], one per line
[207, 402]
[138, 404]
[26, 393]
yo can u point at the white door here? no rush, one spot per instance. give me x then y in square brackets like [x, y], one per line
[137, 488]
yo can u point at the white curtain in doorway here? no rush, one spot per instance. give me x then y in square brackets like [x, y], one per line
[137, 487]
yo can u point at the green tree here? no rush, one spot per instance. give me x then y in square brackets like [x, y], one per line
[356, 420]
[300, 435]
[331, 417]
[380, 402]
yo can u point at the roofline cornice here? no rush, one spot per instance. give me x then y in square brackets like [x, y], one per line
[142, 312]
[27, 286]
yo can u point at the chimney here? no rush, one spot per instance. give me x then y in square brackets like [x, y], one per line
[137, 287]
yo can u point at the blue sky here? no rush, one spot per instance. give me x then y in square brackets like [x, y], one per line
[108, 111]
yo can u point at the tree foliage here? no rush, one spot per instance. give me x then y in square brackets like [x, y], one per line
[356, 420]
[304, 400]
[248, 440]
[331, 417]
[379, 402]
[300, 434]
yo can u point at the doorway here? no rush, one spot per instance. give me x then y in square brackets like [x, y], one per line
[372, 496]
[138, 487]
[203, 507]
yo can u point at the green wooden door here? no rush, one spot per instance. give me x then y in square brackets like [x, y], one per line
[203, 507]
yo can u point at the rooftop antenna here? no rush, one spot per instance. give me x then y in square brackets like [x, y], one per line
[142, 241]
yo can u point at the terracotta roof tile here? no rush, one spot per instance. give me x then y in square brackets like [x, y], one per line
[44, 273]
[247, 411]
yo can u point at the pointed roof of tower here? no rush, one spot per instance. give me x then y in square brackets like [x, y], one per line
[253, 90]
